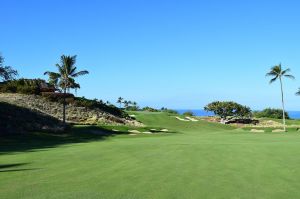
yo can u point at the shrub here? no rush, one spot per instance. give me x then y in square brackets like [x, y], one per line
[99, 104]
[270, 113]
[24, 86]
[229, 110]
[147, 108]
[170, 111]
[188, 113]
[132, 108]
[58, 97]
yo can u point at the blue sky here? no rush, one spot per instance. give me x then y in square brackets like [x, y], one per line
[177, 54]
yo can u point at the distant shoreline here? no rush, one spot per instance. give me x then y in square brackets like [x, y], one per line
[199, 112]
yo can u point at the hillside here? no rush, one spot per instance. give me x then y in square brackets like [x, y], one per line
[15, 119]
[74, 114]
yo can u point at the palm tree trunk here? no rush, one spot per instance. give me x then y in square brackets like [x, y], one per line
[283, 109]
[64, 106]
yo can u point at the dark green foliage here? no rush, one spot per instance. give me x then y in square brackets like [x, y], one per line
[132, 108]
[14, 119]
[99, 104]
[58, 97]
[188, 113]
[24, 86]
[229, 110]
[147, 108]
[170, 111]
[270, 113]
[6, 72]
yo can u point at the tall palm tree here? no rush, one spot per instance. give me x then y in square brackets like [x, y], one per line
[120, 101]
[276, 73]
[64, 78]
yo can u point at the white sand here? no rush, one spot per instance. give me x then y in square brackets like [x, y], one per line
[257, 131]
[191, 119]
[278, 130]
[147, 132]
[182, 119]
[134, 131]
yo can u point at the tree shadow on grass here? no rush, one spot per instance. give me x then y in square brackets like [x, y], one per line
[11, 167]
[29, 142]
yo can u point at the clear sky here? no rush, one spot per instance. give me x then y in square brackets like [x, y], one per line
[177, 54]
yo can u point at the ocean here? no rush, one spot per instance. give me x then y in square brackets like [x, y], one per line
[292, 114]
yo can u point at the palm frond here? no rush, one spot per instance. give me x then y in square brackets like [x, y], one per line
[273, 79]
[83, 72]
[289, 76]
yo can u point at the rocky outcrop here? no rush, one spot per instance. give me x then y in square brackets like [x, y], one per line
[78, 115]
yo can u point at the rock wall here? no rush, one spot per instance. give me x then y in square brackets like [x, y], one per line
[78, 115]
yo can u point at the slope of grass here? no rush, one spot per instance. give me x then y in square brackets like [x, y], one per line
[201, 160]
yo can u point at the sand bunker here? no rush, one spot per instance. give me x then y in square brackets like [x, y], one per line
[134, 131]
[257, 131]
[278, 130]
[191, 119]
[181, 119]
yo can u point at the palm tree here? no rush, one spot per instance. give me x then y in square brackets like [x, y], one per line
[64, 79]
[298, 92]
[276, 73]
[7, 72]
[120, 101]
[125, 104]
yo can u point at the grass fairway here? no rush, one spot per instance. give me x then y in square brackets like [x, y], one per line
[200, 160]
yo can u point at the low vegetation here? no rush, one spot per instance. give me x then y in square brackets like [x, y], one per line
[270, 113]
[188, 113]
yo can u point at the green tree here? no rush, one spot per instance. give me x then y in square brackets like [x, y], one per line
[126, 104]
[120, 101]
[228, 110]
[277, 73]
[64, 78]
[6, 72]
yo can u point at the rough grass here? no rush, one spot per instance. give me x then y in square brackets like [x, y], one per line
[201, 160]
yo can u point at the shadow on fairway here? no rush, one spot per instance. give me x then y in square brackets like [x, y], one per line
[41, 141]
[11, 167]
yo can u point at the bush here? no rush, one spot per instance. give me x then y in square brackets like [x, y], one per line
[24, 86]
[99, 104]
[58, 97]
[147, 108]
[229, 110]
[132, 108]
[188, 113]
[270, 113]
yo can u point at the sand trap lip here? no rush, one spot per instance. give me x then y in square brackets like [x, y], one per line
[278, 131]
[191, 119]
[257, 131]
[182, 119]
[134, 131]
[132, 115]
[115, 130]
[147, 132]
[164, 130]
